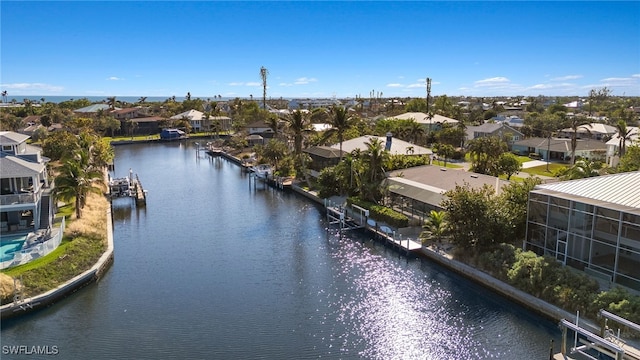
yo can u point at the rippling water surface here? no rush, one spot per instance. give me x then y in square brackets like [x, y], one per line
[215, 268]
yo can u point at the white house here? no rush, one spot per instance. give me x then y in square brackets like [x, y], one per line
[195, 117]
[613, 145]
[395, 146]
[594, 131]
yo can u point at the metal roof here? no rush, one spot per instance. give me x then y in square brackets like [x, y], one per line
[417, 191]
[620, 189]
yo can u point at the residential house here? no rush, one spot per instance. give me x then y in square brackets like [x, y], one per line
[26, 205]
[322, 157]
[418, 190]
[590, 224]
[23, 181]
[431, 123]
[613, 145]
[259, 127]
[499, 130]
[91, 110]
[196, 119]
[594, 131]
[394, 146]
[125, 114]
[560, 149]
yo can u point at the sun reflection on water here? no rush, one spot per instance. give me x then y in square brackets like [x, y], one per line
[397, 313]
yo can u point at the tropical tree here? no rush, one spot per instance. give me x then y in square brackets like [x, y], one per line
[263, 75]
[484, 153]
[142, 99]
[446, 151]
[631, 159]
[472, 216]
[414, 130]
[297, 123]
[4, 96]
[575, 123]
[274, 151]
[434, 227]
[340, 121]
[376, 156]
[111, 101]
[624, 135]
[77, 178]
[508, 164]
[583, 168]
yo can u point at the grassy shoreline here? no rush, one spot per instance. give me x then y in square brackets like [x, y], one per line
[83, 243]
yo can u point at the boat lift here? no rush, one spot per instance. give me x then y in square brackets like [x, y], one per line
[607, 343]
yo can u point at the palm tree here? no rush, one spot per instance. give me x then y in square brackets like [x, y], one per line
[375, 156]
[340, 121]
[77, 179]
[111, 101]
[4, 96]
[623, 136]
[435, 227]
[263, 75]
[415, 131]
[583, 168]
[142, 99]
[575, 123]
[297, 124]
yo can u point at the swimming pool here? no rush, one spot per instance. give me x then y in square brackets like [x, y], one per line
[9, 245]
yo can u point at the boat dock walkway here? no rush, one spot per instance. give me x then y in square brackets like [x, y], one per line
[355, 217]
[128, 187]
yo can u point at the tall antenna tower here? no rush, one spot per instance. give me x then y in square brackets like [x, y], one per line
[428, 94]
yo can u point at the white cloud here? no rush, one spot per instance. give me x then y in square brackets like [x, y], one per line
[567, 77]
[114, 78]
[32, 87]
[236, 84]
[253, 84]
[304, 80]
[285, 84]
[495, 81]
[635, 76]
[395, 85]
[411, 86]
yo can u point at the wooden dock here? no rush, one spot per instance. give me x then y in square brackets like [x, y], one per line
[357, 218]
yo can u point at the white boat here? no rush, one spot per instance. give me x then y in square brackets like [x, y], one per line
[263, 171]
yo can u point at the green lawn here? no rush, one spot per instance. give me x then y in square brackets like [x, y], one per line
[542, 169]
[449, 164]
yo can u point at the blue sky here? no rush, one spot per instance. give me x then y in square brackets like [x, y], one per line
[319, 49]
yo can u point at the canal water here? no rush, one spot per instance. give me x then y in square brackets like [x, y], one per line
[213, 268]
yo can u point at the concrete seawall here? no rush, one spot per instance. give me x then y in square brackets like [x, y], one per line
[522, 298]
[43, 300]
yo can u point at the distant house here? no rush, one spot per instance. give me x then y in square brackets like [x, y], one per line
[259, 127]
[573, 104]
[594, 131]
[430, 123]
[92, 109]
[196, 119]
[394, 146]
[499, 130]
[560, 149]
[147, 125]
[125, 114]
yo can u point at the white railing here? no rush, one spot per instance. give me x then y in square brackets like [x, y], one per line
[36, 251]
[12, 199]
